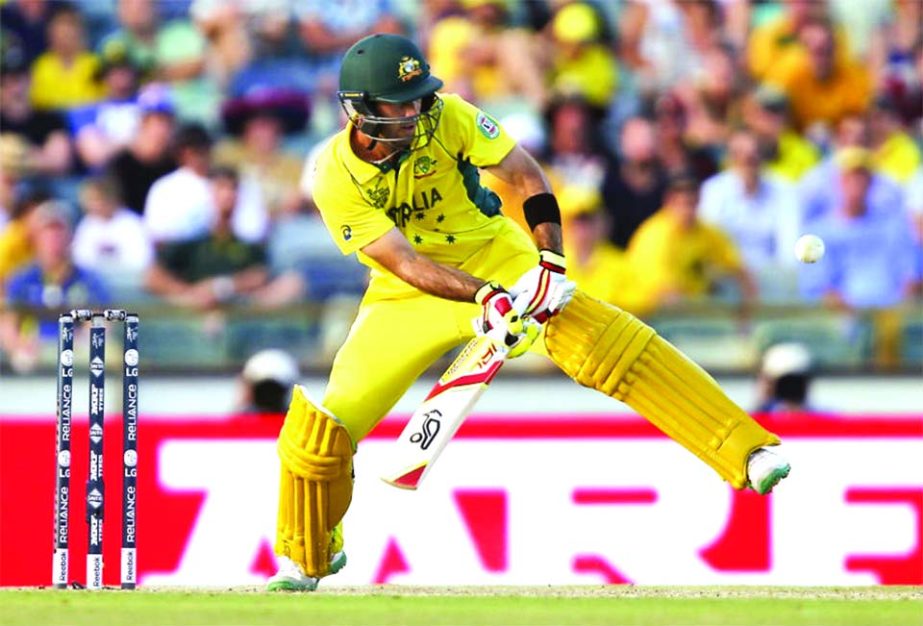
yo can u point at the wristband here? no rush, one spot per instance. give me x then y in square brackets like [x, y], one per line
[487, 291]
[540, 209]
[552, 261]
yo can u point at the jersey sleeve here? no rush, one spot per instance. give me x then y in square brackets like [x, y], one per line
[478, 136]
[353, 222]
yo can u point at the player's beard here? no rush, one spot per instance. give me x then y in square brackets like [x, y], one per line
[412, 134]
[393, 139]
[400, 137]
[388, 143]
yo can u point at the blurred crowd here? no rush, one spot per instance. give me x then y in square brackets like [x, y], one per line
[153, 150]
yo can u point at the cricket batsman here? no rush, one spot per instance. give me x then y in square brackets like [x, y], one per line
[399, 186]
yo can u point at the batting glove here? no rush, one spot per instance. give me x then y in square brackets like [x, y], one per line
[543, 290]
[501, 322]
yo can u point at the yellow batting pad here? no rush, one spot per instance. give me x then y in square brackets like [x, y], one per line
[603, 347]
[316, 484]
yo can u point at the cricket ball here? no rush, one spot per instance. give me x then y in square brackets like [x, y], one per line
[809, 248]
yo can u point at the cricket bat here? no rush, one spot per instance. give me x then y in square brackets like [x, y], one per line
[449, 402]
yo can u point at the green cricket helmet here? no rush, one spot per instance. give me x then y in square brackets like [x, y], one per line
[388, 68]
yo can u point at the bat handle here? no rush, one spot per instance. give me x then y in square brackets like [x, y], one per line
[541, 318]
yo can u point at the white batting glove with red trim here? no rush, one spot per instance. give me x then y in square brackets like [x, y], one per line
[503, 323]
[498, 317]
[543, 290]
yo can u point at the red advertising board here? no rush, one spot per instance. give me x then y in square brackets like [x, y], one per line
[514, 500]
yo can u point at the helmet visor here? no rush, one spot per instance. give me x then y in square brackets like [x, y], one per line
[383, 128]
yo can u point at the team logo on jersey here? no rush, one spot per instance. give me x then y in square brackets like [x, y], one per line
[423, 167]
[487, 126]
[347, 233]
[408, 68]
[378, 196]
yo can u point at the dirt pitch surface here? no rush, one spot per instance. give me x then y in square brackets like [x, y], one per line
[508, 606]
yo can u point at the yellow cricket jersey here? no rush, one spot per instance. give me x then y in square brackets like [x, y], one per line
[795, 157]
[848, 91]
[670, 259]
[898, 157]
[771, 42]
[15, 249]
[432, 194]
[593, 74]
[607, 274]
[59, 86]
[767, 43]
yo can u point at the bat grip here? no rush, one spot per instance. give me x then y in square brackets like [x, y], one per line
[541, 318]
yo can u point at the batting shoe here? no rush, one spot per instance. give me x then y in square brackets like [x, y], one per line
[290, 576]
[765, 469]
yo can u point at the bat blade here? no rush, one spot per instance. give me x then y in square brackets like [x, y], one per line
[437, 419]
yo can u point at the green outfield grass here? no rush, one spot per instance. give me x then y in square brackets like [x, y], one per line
[648, 606]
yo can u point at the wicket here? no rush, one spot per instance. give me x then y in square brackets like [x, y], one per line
[95, 490]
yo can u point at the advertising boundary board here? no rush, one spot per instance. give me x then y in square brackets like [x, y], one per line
[515, 500]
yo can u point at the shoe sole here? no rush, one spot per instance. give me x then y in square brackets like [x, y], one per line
[290, 585]
[336, 564]
[773, 479]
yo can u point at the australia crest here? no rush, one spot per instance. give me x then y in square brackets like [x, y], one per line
[408, 68]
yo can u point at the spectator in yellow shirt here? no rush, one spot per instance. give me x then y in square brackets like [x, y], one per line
[583, 65]
[482, 58]
[16, 237]
[677, 257]
[770, 41]
[597, 266]
[895, 153]
[784, 151]
[821, 83]
[65, 76]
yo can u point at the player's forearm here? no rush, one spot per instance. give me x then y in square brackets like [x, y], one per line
[54, 157]
[548, 237]
[162, 283]
[523, 172]
[437, 279]
[393, 252]
[250, 279]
